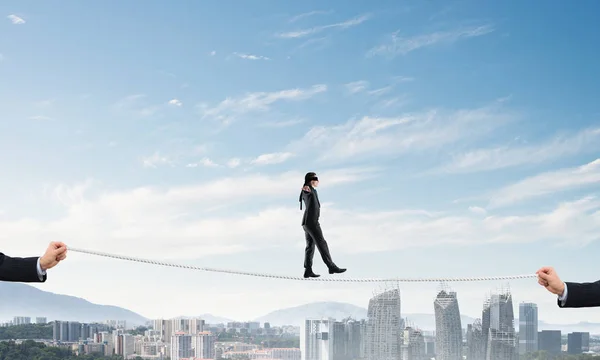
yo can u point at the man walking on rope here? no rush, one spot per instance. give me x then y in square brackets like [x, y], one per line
[312, 228]
[570, 294]
[31, 269]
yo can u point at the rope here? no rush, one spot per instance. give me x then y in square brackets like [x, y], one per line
[284, 277]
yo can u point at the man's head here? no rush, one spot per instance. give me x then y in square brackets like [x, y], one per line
[311, 179]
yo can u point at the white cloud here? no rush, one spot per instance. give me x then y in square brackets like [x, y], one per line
[309, 14]
[379, 136]
[231, 108]
[233, 163]
[213, 53]
[272, 158]
[477, 210]
[175, 102]
[380, 91]
[40, 118]
[206, 162]
[403, 45]
[142, 220]
[357, 86]
[282, 123]
[509, 156]
[548, 183]
[396, 101]
[134, 105]
[155, 160]
[317, 29]
[402, 79]
[44, 103]
[16, 19]
[251, 57]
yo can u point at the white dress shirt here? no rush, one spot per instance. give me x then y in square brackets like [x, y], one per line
[41, 273]
[563, 298]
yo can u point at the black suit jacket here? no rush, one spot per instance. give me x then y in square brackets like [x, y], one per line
[312, 212]
[582, 295]
[19, 269]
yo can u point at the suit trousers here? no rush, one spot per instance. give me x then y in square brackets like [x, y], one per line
[314, 237]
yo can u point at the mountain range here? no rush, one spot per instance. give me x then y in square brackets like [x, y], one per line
[18, 299]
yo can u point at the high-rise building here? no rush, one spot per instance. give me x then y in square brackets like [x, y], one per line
[41, 320]
[476, 341]
[196, 326]
[413, 346]
[356, 332]
[448, 328]
[384, 326]
[181, 346]
[501, 339]
[64, 331]
[578, 342]
[56, 330]
[528, 328]
[124, 344]
[204, 345]
[550, 342]
[74, 331]
[316, 340]
[21, 320]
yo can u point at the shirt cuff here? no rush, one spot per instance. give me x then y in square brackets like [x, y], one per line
[41, 273]
[563, 298]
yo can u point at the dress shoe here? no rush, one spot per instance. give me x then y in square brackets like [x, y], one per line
[336, 270]
[308, 273]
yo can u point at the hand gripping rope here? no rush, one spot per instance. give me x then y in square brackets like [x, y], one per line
[284, 277]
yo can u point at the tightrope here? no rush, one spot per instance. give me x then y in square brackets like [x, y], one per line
[298, 278]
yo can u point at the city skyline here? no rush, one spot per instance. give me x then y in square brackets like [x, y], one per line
[453, 140]
[383, 335]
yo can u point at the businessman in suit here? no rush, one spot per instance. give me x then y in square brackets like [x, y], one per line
[570, 294]
[312, 228]
[31, 269]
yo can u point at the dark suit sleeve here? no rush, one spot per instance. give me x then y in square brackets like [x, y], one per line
[310, 215]
[19, 269]
[582, 295]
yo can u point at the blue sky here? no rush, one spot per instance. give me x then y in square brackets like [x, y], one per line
[452, 140]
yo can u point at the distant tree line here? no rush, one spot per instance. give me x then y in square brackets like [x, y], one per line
[26, 332]
[31, 350]
[543, 355]
[267, 341]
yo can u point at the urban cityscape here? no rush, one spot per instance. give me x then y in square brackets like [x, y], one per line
[384, 335]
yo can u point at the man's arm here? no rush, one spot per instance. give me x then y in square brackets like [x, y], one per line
[577, 295]
[309, 199]
[21, 269]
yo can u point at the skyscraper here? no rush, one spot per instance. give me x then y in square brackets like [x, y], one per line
[384, 326]
[528, 328]
[550, 342]
[181, 346]
[448, 329]
[578, 342]
[316, 340]
[204, 345]
[476, 341]
[501, 340]
[413, 347]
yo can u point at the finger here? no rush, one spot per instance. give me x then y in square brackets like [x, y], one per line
[544, 276]
[59, 252]
[546, 269]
